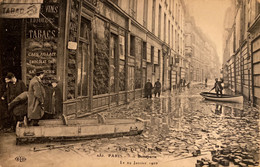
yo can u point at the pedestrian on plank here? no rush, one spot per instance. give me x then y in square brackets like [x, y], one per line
[148, 89]
[14, 87]
[157, 88]
[36, 95]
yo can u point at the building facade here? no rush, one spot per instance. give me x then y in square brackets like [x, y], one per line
[241, 50]
[201, 54]
[101, 51]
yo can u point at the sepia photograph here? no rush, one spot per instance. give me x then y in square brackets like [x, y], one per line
[129, 83]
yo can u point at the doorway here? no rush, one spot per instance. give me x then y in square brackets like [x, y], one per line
[10, 47]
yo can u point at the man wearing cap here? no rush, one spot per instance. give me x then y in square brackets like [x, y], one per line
[36, 94]
[14, 87]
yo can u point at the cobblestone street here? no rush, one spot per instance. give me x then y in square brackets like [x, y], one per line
[181, 128]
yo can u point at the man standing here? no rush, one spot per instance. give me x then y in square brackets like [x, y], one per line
[157, 88]
[36, 94]
[206, 81]
[218, 87]
[148, 89]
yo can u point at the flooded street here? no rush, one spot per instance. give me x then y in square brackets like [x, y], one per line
[181, 128]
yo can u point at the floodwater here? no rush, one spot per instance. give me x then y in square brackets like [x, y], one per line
[177, 126]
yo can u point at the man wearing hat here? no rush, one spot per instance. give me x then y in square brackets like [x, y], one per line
[14, 87]
[36, 95]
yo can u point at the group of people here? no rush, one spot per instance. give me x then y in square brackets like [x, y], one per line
[149, 87]
[20, 104]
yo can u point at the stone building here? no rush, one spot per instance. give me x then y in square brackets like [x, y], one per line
[101, 51]
[241, 50]
[200, 52]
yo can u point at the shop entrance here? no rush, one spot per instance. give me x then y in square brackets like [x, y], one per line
[10, 47]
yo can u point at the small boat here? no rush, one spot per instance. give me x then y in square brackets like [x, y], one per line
[77, 129]
[223, 98]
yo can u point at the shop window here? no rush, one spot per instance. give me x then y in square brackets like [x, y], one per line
[121, 77]
[101, 35]
[131, 74]
[138, 52]
[122, 47]
[82, 69]
[113, 61]
[144, 77]
[82, 58]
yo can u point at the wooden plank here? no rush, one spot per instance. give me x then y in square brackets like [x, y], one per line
[53, 129]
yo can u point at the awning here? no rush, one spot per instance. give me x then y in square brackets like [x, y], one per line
[20, 8]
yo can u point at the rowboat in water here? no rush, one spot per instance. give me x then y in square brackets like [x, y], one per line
[77, 129]
[223, 98]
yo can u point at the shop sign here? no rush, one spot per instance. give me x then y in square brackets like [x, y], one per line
[20, 10]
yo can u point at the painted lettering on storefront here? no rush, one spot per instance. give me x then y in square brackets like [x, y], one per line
[41, 20]
[13, 10]
[42, 54]
[43, 34]
[41, 41]
[51, 8]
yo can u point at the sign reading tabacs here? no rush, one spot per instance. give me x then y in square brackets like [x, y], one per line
[20, 10]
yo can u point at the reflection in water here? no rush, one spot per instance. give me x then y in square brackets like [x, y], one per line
[179, 122]
[218, 109]
[228, 111]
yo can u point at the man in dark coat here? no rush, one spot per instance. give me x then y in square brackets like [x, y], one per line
[3, 106]
[157, 88]
[148, 89]
[218, 87]
[14, 88]
[36, 95]
[53, 100]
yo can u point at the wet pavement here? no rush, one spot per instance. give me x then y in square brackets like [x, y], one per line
[182, 129]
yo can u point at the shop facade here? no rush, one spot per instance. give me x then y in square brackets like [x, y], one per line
[100, 56]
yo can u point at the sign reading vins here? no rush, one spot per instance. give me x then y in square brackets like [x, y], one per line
[42, 40]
